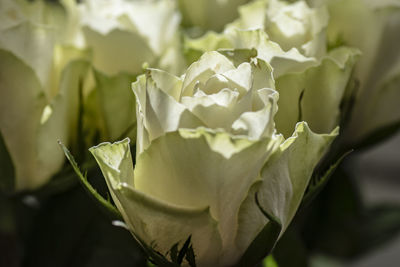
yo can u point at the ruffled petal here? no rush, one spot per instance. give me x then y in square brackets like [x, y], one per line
[283, 181]
[158, 223]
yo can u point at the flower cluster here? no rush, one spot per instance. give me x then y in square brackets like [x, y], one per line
[231, 105]
[206, 146]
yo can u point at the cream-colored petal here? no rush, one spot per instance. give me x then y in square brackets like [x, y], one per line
[157, 20]
[32, 43]
[117, 104]
[283, 181]
[118, 50]
[281, 61]
[201, 168]
[158, 112]
[30, 124]
[258, 124]
[21, 104]
[209, 64]
[322, 87]
[209, 14]
[217, 110]
[158, 223]
[61, 122]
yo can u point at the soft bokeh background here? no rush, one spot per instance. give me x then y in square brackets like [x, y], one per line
[379, 180]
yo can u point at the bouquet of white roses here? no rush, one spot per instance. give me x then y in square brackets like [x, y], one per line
[212, 122]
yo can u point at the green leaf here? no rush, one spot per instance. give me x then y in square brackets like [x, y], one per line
[379, 135]
[291, 243]
[339, 225]
[265, 241]
[83, 179]
[317, 183]
[7, 171]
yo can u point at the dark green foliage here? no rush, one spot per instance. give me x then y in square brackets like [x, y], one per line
[7, 171]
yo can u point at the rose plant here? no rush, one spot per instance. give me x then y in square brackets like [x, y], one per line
[213, 179]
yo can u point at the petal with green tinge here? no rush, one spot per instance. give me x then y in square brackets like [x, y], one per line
[116, 97]
[201, 168]
[283, 181]
[325, 83]
[117, 51]
[158, 112]
[21, 105]
[209, 64]
[151, 218]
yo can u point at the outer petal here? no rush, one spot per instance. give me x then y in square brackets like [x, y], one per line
[355, 24]
[118, 50]
[281, 61]
[158, 223]
[63, 54]
[117, 104]
[209, 14]
[382, 109]
[30, 124]
[31, 42]
[20, 112]
[324, 83]
[157, 20]
[373, 27]
[251, 16]
[297, 25]
[59, 120]
[378, 71]
[201, 168]
[283, 181]
[294, 25]
[210, 41]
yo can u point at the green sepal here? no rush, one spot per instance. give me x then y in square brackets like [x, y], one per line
[177, 256]
[185, 252]
[265, 241]
[7, 170]
[104, 203]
